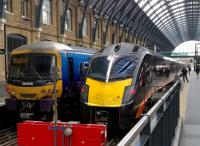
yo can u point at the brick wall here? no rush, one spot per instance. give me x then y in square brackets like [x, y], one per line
[16, 24]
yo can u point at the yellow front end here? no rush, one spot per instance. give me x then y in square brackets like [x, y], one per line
[33, 93]
[106, 94]
[26, 94]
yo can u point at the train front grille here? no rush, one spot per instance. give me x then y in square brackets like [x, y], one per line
[28, 95]
[107, 116]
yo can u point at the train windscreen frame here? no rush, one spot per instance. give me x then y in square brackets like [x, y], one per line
[123, 67]
[31, 67]
[111, 68]
[98, 68]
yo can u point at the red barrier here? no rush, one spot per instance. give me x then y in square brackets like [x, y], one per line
[32, 133]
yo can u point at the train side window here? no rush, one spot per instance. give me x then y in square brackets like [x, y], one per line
[71, 69]
[145, 75]
[83, 69]
[85, 64]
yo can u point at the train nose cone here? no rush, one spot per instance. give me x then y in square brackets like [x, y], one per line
[106, 94]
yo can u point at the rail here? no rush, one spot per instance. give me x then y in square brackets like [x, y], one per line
[157, 126]
[8, 137]
[2, 101]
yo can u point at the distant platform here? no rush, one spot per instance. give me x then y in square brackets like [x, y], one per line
[190, 135]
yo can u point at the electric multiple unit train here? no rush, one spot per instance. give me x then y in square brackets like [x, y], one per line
[29, 82]
[121, 78]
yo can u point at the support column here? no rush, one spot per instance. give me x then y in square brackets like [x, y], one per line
[63, 19]
[38, 19]
[3, 48]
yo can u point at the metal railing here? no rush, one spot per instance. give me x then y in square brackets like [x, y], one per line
[157, 126]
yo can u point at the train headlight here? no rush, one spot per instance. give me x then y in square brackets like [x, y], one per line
[13, 92]
[84, 93]
[50, 91]
[43, 91]
[128, 95]
[10, 91]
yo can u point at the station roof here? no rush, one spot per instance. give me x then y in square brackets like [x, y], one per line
[178, 20]
[166, 23]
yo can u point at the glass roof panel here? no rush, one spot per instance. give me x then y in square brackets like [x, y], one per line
[149, 13]
[170, 21]
[142, 3]
[146, 8]
[172, 2]
[176, 14]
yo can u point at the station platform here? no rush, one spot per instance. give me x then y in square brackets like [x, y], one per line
[3, 93]
[190, 111]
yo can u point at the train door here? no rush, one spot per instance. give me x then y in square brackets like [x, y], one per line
[77, 62]
[70, 74]
[70, 60]
[80, 62]
[156, 70]
[83, 69]
[83, 64]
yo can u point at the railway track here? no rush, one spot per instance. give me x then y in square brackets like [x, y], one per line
[113, 141]
[8, 137]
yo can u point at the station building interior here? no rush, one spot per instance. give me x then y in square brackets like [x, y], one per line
[168, 27]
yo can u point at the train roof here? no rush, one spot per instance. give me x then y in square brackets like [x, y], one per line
[49, 45]
[89, 50]
[129, 48]
[122, 49]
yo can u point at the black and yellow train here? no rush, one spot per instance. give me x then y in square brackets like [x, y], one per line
[121, 79]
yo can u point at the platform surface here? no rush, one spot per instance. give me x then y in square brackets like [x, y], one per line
[3, 92]
[190, 135]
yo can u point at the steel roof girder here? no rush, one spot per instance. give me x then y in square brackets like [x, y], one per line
[107, 24]
[83, 18]
[96, 21]
[182, 16]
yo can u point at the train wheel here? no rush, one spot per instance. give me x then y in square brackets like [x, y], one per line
[85, 113]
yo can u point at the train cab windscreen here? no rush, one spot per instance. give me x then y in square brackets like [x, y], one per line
[109, 68]
[99, 67]
[31, 67]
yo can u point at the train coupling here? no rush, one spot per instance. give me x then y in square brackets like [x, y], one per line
[101, 117]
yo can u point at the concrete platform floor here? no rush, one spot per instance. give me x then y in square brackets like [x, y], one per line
[190, 111]
[3, 93]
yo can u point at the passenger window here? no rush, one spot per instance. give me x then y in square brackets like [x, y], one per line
[85, 64]
[71, 69]
[83, 69]
[146, 75]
